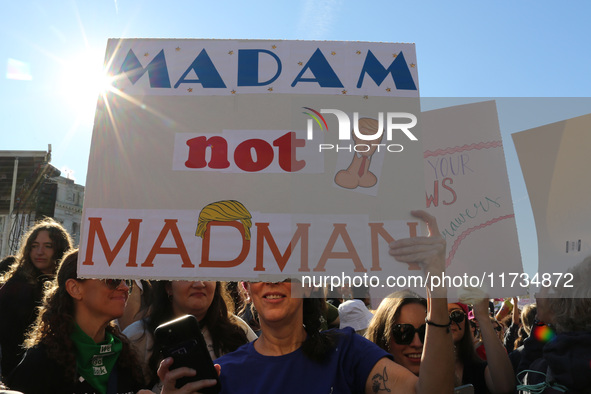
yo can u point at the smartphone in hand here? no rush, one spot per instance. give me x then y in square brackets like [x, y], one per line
[182, 340]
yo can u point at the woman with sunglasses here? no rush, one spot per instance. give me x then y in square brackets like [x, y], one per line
[494, 376]
[75, 347]
[399, 328]
[293, 356]
[393, 328]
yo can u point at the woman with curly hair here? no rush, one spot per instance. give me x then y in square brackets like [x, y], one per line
[21, 287]
[74, 346]
[209, 302]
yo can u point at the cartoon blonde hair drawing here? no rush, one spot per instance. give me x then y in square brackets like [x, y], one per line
[224, 211]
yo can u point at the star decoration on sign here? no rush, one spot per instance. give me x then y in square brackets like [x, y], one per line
[190, 90]
[177, 49]
[358, 52]
[344, 91]
[146, 54]
[274, 47]
[270, 89]
[412, 65]
[230, 52]
[300, 64]
[233, 91]
[394, 55]
[333, 53]
[388, 90]
[366, 97]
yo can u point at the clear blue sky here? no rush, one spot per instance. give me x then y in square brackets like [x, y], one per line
[465, 48]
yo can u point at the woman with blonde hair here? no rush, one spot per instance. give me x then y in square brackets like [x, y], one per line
[393, 327]
[399, 328]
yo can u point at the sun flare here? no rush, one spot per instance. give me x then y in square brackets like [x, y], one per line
[82, 81]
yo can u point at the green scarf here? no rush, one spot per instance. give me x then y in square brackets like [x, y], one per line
[95, 361]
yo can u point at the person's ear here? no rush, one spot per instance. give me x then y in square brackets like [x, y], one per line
[74, 289]
[306, 290]
[168, 289]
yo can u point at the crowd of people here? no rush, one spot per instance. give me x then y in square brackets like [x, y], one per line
[63, 334]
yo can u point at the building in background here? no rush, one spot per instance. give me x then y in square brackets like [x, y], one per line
[68, 206]
[30, 189]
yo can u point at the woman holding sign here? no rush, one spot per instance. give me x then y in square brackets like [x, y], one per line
[75, 346]
[399, 328]
[292, 356]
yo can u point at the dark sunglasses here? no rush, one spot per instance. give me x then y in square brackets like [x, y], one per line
[539, 323]
[403, 334]
[457, 316]
[113, 284]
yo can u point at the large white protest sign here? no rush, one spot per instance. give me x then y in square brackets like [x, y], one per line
[468, 191]
[555, 162]
[224, 159]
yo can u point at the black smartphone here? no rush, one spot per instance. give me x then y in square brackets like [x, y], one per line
[182, 340]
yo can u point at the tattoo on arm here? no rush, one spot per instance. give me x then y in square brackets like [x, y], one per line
[379, 382]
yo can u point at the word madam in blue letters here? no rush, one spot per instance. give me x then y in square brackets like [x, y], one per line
[248, 71]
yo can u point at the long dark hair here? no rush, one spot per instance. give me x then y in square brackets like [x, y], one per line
[23, 266]
[226, 334]
[318, 344]
[56, 322]
[465, 346]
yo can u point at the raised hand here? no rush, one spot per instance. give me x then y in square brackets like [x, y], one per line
[428, 252]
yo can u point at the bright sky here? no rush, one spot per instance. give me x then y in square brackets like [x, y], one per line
[52, 54]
